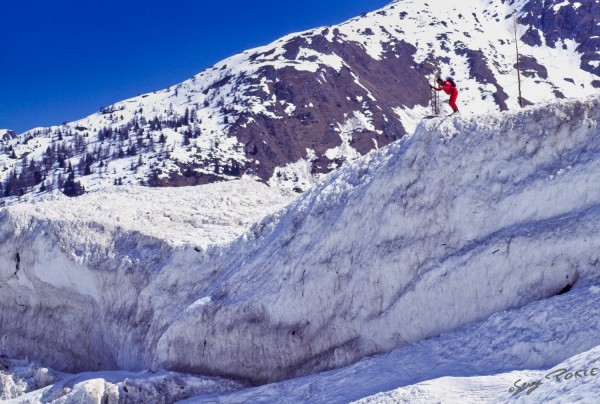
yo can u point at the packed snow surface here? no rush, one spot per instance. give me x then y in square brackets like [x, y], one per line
[468, 217]
[213, 214]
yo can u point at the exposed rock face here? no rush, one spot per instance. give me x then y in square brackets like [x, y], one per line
[7, 134]
[559, 21]
[323, 104]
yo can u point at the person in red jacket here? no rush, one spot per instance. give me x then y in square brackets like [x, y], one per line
[449, 88]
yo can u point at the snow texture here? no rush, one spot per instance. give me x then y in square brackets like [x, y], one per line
[466, 218]
[471, 364]
[106, 387]
[213, 214]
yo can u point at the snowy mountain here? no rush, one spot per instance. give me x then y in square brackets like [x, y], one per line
[469, 248]
[7, 134]
[287, 112]
[449, 259]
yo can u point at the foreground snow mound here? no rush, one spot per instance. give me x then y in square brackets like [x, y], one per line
[107, 387]
[471, 364]
[574, 380]
[467, 217]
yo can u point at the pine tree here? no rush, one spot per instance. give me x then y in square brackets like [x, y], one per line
[10, 184]
[73, 188]
[186, 117]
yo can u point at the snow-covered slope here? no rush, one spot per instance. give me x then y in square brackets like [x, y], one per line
[469, 365]
[477, 363]
[299, 107]
[214, 214]
[465, 218]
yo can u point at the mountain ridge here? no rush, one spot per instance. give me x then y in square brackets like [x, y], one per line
[290, 111]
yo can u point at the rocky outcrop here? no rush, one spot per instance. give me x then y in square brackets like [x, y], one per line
[560, 21]
[7, 134]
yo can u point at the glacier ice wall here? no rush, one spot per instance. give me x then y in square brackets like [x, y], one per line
[466, 217]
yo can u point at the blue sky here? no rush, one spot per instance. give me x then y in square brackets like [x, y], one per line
[61, 60]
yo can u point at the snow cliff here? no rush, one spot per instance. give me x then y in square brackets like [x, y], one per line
[467, 217]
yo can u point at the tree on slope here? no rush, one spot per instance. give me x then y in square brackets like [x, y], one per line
[73, 188]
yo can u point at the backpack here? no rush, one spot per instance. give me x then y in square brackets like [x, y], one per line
[451, 81]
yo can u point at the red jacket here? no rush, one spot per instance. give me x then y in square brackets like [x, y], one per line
[448, 89]
[451, 91]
